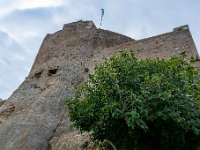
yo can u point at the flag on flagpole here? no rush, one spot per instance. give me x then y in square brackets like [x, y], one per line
[102, 14]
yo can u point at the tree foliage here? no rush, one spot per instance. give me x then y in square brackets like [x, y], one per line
[140, 104]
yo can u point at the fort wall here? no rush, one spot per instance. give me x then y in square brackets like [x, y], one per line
[77, 41]
[165, 45]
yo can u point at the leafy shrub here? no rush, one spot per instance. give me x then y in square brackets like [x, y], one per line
[140, 104]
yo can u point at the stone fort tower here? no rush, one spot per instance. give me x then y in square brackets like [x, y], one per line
[33, 118]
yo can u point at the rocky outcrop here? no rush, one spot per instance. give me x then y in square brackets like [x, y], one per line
[33, 118]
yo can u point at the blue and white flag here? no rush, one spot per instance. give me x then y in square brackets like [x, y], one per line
[102, 14]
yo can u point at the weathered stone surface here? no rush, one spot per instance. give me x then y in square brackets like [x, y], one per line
[6, 109]
[73, 140]
[33, 118]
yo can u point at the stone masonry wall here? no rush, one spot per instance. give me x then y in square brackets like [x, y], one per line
[69, 43]
[165, 45]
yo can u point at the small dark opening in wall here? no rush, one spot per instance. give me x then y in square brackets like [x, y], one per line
[86, 70]
[179, 29]
[52, 71]
[38, 74]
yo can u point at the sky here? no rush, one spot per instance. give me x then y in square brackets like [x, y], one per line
[24, 24]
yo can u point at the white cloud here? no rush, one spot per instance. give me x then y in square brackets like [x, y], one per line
[9, 6]
[13, 61]
[31, 4]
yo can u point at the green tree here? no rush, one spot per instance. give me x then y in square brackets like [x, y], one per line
[140, 104]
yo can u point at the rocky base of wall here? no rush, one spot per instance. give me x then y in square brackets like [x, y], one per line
[72, 141]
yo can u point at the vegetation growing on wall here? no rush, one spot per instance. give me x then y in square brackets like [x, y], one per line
[140, 104]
